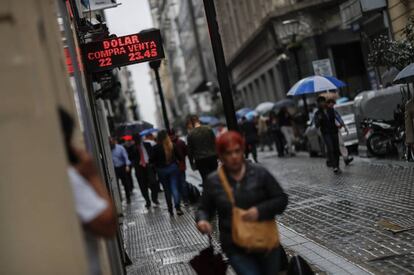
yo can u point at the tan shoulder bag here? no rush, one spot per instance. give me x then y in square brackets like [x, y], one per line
[253, 236]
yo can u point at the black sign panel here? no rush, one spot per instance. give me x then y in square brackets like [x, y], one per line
[121, 51]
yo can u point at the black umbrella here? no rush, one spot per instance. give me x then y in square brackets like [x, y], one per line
[284, 103]
[406, 75]
[208, 262]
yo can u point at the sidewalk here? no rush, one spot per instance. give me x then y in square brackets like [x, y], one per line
[159, 244]
[343, 213]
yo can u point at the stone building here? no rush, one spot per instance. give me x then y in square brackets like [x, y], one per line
[269, 45]
[189, 73]
[400, 11]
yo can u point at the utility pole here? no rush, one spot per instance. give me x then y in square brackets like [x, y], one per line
[221, 67]
[155, 65]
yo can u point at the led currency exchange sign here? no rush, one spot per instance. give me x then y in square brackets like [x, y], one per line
[121, 51]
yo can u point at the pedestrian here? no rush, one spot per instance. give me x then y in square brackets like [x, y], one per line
[93, 204]
[182, 151]
[129, 145]
[165, 159]
[276, 134]
[122, 166]
[201, 148]
[325, 120]
[341, 124]
[286, 126]
[256, 191]
[249, 131]
[264, 134]
[221, 129]
[145, 172]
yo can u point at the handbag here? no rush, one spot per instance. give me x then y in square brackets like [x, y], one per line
[258, 236]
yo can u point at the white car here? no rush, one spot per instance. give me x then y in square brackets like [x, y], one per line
[316, 146]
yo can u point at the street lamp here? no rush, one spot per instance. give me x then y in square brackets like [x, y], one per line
[155, 65]
[289, 31]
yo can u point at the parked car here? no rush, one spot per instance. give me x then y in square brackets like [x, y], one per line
[346, 110]
[316, 146]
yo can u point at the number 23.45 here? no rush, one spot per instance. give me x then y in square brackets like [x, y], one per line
[147, 54]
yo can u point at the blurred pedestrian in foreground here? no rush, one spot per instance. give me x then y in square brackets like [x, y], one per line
[122, 166]
[145, 172]
[92, 201]
[165, 159]
[276, 134]
[286, 126]
[201, 148]
[325, 120]
[249, 131]
[256, 191]
[340, 124]
[181, 149]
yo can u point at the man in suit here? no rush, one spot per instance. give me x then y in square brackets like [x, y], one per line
[144, 171]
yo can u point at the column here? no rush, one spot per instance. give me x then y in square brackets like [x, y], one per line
[280, 90]
[271, 84]
[243, 95]
[250, 94]
[258, 91]
[41, 231]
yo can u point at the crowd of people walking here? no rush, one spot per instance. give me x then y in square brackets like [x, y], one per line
[232, 186]
[276, 130]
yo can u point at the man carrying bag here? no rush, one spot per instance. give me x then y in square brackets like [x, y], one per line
[247, 198]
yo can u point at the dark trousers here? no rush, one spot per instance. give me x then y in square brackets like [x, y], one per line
[245, 263]
[121, 174]
[169, 178]
[280, 143]
[251, 148]
[266, 140]
[206, 166]
[147, 181]
[183, 186]
[332, 147]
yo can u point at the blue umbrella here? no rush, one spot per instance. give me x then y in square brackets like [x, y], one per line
[148, 131]
[242, 112]
[342, 100]
[209, 120]
[251, 115]
[315, 84]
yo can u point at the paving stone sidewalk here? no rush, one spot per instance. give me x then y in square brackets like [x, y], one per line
[159, 244]
[341, 213]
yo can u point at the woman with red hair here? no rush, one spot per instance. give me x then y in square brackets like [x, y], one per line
[255, 191]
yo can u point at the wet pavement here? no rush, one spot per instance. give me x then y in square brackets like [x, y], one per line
[341, 212]
[331, 220]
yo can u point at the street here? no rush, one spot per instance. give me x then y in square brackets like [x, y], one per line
[341, 212]
[338, 213]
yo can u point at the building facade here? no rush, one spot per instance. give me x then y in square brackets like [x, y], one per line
[189, 79]
[400, 11]
[270, 45]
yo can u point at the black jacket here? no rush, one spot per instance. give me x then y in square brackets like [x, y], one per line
[326, 121]
[158, 156]
[249, 131]
[201, 143]
[258, 188]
